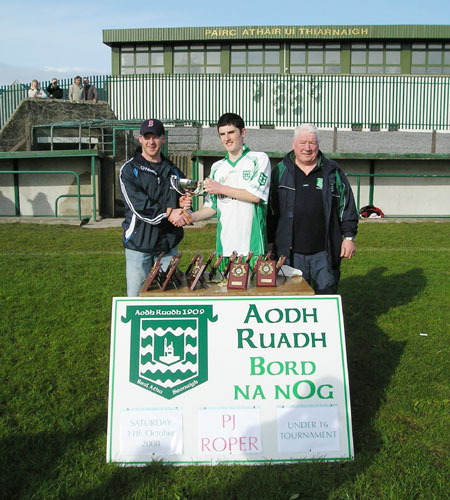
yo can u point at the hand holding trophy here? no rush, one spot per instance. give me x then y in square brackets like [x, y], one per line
[187, 188]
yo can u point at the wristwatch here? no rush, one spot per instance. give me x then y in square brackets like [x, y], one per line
[350, 238]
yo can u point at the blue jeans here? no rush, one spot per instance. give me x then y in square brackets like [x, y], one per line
[138, 265]
[317, 272]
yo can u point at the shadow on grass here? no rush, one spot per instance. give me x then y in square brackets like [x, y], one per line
[372, 360]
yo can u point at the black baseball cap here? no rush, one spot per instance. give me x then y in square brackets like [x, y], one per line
[152, 126]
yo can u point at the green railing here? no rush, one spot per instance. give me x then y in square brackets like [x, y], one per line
[372, 178]
[15, 172]
[342, 101]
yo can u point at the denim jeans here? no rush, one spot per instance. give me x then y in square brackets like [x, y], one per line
[138, 266]
[316, 271]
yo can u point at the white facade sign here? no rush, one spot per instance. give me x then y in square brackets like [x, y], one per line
[228, 380]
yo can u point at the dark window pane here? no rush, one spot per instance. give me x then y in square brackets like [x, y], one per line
[315, 57]
[255, 57]
[127, 59]
[197, 58]
[272, 58]
[333, 69]
[393, 69]
[375, 57]
[157, 59]
[393, 57]
[142, 59]
[418, 57]
[298, 69]
[213, 58]
[358, 57]
[435, 57]
[298, 57]
[332, 57]
[238, 58]
[180, 58]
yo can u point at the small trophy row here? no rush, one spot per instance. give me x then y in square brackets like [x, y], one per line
[200, 272]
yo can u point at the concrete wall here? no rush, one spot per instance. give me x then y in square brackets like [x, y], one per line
[38, 192]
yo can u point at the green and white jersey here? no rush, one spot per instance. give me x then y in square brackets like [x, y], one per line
[241, 225]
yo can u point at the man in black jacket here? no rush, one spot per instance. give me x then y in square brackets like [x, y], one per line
[53, 90]
[151, 204]
[312, 214]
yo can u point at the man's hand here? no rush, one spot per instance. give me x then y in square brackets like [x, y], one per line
[348, 249]
[186, 201]
[179, 217]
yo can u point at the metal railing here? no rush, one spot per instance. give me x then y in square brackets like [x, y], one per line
[342, 101]
[372, 178]
[78, 194]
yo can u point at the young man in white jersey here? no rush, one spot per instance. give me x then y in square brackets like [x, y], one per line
[238, 191]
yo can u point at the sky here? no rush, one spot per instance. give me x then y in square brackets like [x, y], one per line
[62, 39]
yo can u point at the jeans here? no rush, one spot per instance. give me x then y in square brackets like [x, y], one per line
[138, 265]
[317, 272]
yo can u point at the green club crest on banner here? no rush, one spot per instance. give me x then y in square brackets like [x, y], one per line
[169, 347]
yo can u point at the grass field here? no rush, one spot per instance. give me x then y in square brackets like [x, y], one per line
[56, 288]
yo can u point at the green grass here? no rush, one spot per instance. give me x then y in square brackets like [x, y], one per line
[56, 288]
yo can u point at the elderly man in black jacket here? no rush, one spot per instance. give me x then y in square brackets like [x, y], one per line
[312, 216]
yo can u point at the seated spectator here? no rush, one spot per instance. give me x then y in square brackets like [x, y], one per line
[36, 91]
[90, 92]
[53, 90]
[76, 90]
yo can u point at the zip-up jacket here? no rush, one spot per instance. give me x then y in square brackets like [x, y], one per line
[147, 193]
[341, 217]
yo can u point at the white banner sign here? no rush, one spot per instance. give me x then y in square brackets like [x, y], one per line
[224, 380]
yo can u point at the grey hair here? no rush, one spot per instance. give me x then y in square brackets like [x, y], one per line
[306, 127]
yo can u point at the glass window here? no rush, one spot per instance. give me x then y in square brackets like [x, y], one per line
[197, 59]
[127, 59]
[431, 59]
[315, 58]
[142, 59]
[358, 57]
[180, 58]
[157, 59]
[435, 57]
[375, 58]
[255, 58]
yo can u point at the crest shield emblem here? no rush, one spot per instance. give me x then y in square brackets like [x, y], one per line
[168, 349]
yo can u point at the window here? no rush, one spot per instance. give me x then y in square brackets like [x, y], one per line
[430, 59]
[315, 58]
[196, 59]
[255, 58]
[138, 59]
[376, 58]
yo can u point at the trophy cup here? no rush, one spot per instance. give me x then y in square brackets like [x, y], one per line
[186, 186]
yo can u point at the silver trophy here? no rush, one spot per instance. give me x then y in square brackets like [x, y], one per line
[186, 186]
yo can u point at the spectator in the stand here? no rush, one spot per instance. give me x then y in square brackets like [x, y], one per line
[90, 92]
[53, 90]
[76, 90]
[36, 91]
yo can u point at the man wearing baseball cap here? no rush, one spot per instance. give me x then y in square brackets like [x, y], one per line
[152, 213]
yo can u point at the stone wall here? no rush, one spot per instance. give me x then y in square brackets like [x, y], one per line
[15, 135]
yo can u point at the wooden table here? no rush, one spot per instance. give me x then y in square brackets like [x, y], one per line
[290, 286]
